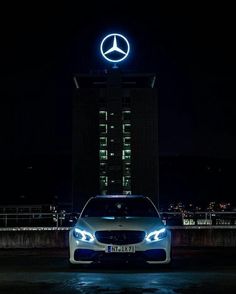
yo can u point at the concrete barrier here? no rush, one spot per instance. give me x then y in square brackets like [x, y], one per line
[204, 237]
[34, 239]
[54, 238]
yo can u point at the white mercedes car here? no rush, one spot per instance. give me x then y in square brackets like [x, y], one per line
[119, 228]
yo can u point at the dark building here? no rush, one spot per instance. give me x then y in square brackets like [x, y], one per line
[115, 135]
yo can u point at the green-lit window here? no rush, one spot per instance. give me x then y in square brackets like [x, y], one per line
[103, 128]
[126, 154]
[127, 169]
[103, 181]
[127, 182]
[103, 154]
[127, 141]
[103, 141]
[126, 128]
[103, 115]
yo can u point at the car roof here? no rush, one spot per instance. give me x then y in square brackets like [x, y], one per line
[120, 196]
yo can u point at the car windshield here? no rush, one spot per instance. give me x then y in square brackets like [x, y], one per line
[119, 207]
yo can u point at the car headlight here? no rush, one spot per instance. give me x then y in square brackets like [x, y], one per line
[156, 235]
[83, 235]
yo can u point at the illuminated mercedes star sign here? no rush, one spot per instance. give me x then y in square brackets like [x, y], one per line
[114, 48]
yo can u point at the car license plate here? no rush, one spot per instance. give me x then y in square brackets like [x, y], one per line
[120, 249]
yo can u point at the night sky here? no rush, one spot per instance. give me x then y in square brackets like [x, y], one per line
[190, 48]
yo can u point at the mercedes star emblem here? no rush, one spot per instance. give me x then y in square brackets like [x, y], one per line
[114, 47]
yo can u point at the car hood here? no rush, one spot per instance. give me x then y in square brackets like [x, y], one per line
[93, 224]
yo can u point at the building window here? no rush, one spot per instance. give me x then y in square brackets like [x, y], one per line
[126, 141]
[112, 140]
[127, 169]
[103, 181]
[126, 114]
[126, 128]
[112, 154]
[103, 141]
[103, 115]
[103, 168]
[127, 182]
[103, 128]
[126, 154]
[112, 127]
[103, 154]
[103, 102]
[126, 102]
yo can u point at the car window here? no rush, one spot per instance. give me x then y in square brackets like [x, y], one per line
[119, 207]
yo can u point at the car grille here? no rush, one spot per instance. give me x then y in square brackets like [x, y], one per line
[137, 257]
[120, 237]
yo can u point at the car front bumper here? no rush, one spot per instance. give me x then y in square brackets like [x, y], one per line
[158, 252]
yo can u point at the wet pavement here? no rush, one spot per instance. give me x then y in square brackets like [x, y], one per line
[48, 271]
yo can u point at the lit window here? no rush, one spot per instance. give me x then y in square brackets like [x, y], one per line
[112, 154]
[127, 170]
[126, 114]
[112, 127]
[103, 114]
[112, 113]
[126, 154]
[103, 128]
[127, 141]
[112, 140]
[103, 181]
[103, 154]
[126, 128]
[127, 181]
[103, 141]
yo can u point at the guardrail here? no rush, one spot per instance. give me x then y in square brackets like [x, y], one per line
[62, 219]
[37, 219]
[206, 218]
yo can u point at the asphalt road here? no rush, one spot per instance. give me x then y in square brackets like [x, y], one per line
[48, 271]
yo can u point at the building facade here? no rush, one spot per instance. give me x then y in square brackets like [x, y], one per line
[115, 135]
